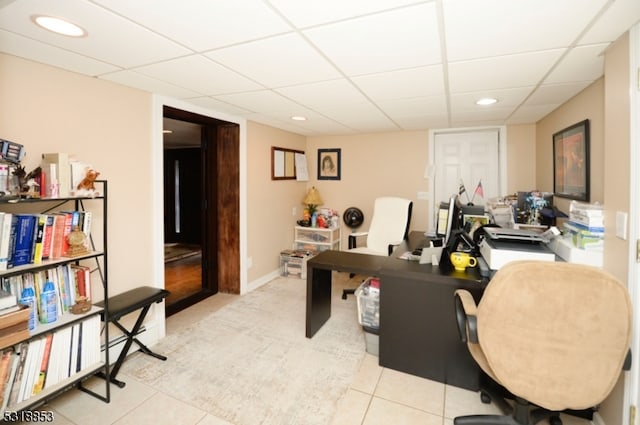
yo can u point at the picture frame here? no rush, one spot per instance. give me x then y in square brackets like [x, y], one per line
[283, 164]
[571, 162]
[329, 164]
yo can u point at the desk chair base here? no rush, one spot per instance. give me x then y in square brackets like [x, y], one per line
[520, 414]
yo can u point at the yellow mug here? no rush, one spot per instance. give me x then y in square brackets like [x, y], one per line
[462, 260]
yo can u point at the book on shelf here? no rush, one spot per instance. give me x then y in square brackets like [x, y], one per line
[25, 227]
[44, 364]
[5, 236]
[47, 237]
[38, 239]
[22, 351]
[15, 362]
[58, 236]
[26, 384]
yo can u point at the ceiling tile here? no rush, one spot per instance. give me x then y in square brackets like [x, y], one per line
[306, 13]
[325, 94]
[39, 52]
[482, 28]
[403, 38]
[486, 114]
[585, 63]
[210, 103]
[415, 82]
[505, 97]
[150, 84]
[531, 114]
[555, 94]
[203, 24]
[135, 45]
[415, 107]
[264, 101]
[199, 74]
[620, 16]
[422, 122]
[278, 61]
[501, 72]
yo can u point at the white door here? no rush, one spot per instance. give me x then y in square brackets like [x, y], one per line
[471, 158]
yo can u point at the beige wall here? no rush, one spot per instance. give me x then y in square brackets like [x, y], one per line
[270, 203]
[588, 104]
[616, 182]
[606, 104]
[373, 165]
[104, 124]
[521, 165]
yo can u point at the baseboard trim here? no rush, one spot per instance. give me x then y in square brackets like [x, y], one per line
[255, 284]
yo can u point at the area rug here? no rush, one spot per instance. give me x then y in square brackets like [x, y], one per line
[177, 251]
[250, 362]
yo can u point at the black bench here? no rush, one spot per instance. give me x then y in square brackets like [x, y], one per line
[122, 304]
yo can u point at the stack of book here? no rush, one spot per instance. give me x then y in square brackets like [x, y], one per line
[13, 319]
[585, 225]
[32, 366]
[32, 238]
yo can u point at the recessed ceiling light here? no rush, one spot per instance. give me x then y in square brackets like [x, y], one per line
[486, 101]
[59, 26]
[298, 118]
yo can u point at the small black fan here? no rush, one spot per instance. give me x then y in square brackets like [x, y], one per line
[353, 217]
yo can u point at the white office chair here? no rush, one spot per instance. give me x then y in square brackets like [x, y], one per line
[389, 227]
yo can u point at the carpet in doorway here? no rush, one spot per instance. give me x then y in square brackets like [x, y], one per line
[250, 362]
[178, 251]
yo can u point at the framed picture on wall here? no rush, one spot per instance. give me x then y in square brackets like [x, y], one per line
[571, 162]
[329, 164]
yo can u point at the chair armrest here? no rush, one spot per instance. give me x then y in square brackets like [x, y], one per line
[352, 238]
[466, 316]
[392, 246]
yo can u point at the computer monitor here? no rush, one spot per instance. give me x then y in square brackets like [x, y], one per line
[453, 217]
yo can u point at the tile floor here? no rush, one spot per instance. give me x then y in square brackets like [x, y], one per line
[377, 396]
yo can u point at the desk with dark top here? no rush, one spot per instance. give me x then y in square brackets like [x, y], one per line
[418, 331]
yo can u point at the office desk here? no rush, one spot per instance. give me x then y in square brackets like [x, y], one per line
[418, 332]
[319, 270]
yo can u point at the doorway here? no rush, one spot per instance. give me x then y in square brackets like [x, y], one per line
[201, 196]
[471, 158]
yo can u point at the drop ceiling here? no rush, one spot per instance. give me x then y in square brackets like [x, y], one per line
[348, 66]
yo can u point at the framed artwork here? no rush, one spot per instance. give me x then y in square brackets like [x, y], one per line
[328, 164]
[571, 162]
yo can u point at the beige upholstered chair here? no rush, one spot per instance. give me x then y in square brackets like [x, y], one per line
[389, 227]
[555, 335]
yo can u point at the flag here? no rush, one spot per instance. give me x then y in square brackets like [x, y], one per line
[479, 190]
[461, 189]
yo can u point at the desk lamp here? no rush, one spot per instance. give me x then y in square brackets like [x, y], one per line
[312, 200]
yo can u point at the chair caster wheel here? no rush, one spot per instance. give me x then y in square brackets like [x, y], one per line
[486, 398]
[555, 420]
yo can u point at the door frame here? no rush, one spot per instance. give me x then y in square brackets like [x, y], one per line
[431, 165]
[158, 103]
[632, 378]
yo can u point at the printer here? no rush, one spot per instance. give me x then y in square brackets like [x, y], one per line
[503, 245]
